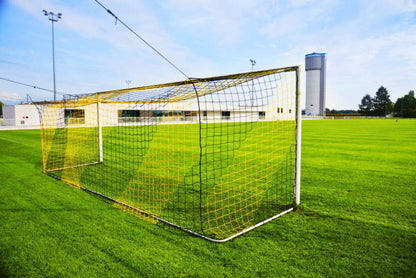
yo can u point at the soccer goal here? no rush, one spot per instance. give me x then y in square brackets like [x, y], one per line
[215, 157]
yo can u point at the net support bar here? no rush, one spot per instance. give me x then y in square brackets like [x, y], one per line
[71, 167]
[100, 134]
[298, 134]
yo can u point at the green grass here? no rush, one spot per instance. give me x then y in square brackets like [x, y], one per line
[358, 219]
[246, 174]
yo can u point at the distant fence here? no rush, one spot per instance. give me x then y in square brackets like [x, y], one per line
[353, 116]
[343, 115]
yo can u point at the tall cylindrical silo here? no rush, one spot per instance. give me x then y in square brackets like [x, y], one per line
[315, 66]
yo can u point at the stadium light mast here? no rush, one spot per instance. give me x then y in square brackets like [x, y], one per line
[128, 87]
[53, 18]
[253, 63]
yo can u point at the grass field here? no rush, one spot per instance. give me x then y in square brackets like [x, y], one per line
[245, 176]
[358, 218]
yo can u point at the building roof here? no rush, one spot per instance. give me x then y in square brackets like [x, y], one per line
[315, 55]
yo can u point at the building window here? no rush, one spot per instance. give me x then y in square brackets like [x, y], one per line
[290, 111]
[279, 110]
[74, 116]
[128, 116]
[225, 115]
[173, 114]
[189, 115]
[205, 115]
[158, 113]
[262, 115]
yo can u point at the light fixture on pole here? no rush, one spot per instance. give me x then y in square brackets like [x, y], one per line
[253, 63]
[53, 18]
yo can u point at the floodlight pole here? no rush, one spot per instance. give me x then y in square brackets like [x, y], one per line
[253, 63]
[128, 87]
[53, 18]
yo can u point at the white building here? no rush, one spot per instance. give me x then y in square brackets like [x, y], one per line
[23, 115]
[114, 114]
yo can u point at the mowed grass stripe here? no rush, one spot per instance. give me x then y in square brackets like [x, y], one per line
[358, 218]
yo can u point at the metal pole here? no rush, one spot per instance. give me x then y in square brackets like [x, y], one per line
[53, 60]
[128, 87]
[298, 133]
[253, 63]
[53, 18]
[100, 134]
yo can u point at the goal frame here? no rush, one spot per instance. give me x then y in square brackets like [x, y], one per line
[296, 179]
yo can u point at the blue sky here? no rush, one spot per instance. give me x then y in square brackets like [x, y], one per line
[368, 43]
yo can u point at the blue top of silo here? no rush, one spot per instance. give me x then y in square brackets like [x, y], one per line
[315, 55]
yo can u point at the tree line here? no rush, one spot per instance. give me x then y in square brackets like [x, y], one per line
[1, 109]
[381, 105]
[340, 112]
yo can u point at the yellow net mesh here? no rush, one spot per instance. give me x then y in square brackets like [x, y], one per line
[214, 155]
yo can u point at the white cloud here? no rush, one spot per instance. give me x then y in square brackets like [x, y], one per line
[363, 52]
[120, 55]
[93, 25]
[9, 96]
[225, 20]
[400, 6]
[368, 43]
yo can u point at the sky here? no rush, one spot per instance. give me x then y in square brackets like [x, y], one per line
[368, 43]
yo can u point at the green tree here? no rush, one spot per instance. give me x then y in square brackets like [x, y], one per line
[367, 106]
[398, 107]
[382, 103]
[1, 109]
[406, 106]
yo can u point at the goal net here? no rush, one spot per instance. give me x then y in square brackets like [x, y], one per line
[215, 157]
